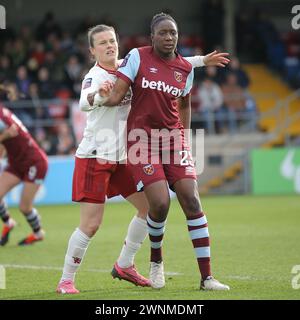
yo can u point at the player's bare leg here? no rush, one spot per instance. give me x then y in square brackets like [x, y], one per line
[137, 231]
[188, 197]
[90, 219]
[7, 182]
[158, 198]
[31, 214]
[91, 215]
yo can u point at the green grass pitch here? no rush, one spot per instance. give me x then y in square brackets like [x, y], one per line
[254, 245]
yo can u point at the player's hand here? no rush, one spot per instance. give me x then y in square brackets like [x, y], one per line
[106, 88]
[216, 59]
[12, 131]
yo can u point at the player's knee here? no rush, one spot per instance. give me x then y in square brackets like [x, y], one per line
[142, 211]
[25, 208]
[142, 214]
[93, 230]
[191, 204]
[161, 208]
[90, 229]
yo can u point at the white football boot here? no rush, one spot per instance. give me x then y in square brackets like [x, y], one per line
[210, 283]
[157, 277]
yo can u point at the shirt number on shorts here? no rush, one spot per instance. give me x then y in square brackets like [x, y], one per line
[32, 172]
[186, 159]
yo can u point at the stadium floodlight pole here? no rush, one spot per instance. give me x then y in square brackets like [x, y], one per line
[230, 7]
[2, 17]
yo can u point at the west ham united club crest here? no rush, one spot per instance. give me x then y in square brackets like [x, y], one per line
[178, 76]
[149, 169]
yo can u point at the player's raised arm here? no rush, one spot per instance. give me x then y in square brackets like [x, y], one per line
[212, 59]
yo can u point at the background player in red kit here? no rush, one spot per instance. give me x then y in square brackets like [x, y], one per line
[27, 163]
[161, 81]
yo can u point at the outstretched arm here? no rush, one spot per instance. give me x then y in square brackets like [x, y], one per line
[212, 59]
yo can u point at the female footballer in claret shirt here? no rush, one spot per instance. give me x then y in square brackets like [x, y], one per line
[26, 163]
[161, 81]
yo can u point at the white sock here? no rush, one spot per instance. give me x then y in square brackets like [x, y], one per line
[136, 234]
[77, 247]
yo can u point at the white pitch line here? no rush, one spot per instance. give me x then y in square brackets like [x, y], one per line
[239, 277]
[32, 267]
[167, 273]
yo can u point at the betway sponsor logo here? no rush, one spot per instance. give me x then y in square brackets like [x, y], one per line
[161, 86]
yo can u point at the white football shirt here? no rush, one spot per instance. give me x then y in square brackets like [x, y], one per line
[105, 131]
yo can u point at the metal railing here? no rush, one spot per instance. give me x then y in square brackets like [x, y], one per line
[29, 111]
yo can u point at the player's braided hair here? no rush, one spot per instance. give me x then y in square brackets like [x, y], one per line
[160, 17]
[96, 29]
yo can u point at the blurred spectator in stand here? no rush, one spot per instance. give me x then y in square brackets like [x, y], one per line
[18, 52]
[66, 141]
[38, 53]
[40, 109]
[55, 70]
[78, 83]
[213, 73]
[67, 43]
[211, 100]
[73, 73]
[17, 102]
[234, 101]
[54, 45]
[60, 107]
[46, 140]
[22, 81]
[46, 86]
[26, 36]
[235, 68]
[6, 70]
[81, 50]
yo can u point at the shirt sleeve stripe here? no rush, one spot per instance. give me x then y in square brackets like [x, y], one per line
[189, 83]
[123, 77]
